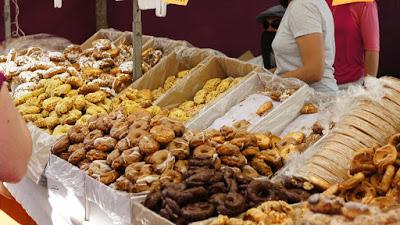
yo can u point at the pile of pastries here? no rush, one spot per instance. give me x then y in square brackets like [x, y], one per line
[374, 176]
[210, 91]
[327, 209]
[271, 212]
[133, 153]
[367, 123]
[170, 82]
[55, 105]
[207, 191]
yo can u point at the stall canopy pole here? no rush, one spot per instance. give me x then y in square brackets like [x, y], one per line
[137, 40]
[101, 14]
[7, 19]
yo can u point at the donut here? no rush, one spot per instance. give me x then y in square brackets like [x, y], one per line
[162, 160]
[363, 162]
[351, 182]
[84, 165]
[172, 206]
[91, 137]
[98, 167]
[261, 167]
[198, 139]
[204, 152]
[234, 160]
[259, 191]
[319, 203]
[198, 211]
[182, 166]
[263, 141]
[109, 177]
[364, 191]
[201, 163]
[126, 158]
[61, 145]
[119, 130]
[200, 178]
[91, 123]
[297, 195]
[228, 149]
[77, 156]
[93, 155]
[134, 171]
[123, 184]
[74, 147]
[218, 187]
[179, 148]
[134, 136]
[112, 156]
[103, 123]
[77, 133]
[249, 171]
[235, 204]
[272, 157]
[385, 156]
[228, 132]
[123, 144]
[171, 176]
[105, 143]
[352, 210]
[394, 140]
[140, 124]
[177, 126]
[251, 151]
[162, 134]
[147, 144]
[242, 142]
[64, 155]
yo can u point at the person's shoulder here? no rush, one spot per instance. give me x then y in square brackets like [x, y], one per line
[308, 3]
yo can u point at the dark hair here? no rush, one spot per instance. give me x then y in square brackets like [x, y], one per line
[284, 3]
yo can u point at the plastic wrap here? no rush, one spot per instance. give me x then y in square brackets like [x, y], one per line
[42, 143]
[147, 217]
[182, 59]
[44, 41]
[110, 33]
[117, 205]
[167, 45]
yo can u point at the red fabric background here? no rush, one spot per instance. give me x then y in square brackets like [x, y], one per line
[228, 26]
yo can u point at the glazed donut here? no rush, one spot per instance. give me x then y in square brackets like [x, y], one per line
[93, 155]
[126, 158]
[200, 178]
[259, 191]
[394, 140]
[134, 136]
[364, 191]
[179, 148]
[297, 195]
[363, 162]
[84, 165]
[123, 184]
[61, 145]
[91, 123]
[351, 182]
[249, 171]
[103, 123]
[201, 163]
[119, 130]
[140, 124]
[171, 176]
[319, 203]
[91, 137]
[148, 145]
[198, 139]
[261, 167]
[263, 141]
[235, 202]
[204, 152]
[77, 156]
[218, 187]
[109, 177]
[105, 143]
[177, 126]
[133, 171]
[251, 151]
[272, 157]
[352, 210]
[228, 149]
[123, 144]
[113, 156]
[162, 160]
[242, 142]
[139, 114]
[77, 133]
[98, 167]
[74, 147]
[386, 179]
[153, 200]
[385, 156]
[162, 134]
[172, 205]
[228, 132]
[234, 160]
[198, 211]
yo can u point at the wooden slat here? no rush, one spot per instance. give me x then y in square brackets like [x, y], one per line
[137, 40]
[7, 19]
[101, 14]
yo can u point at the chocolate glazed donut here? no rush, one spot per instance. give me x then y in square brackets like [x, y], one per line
[234, 204]
[153, 200]
[259, 191]
[198, 211]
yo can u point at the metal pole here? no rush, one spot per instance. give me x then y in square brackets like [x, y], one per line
[7, 19]
[137, 40]
[101, 14]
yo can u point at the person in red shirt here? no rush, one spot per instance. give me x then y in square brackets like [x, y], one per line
[356, 39]
[15, 140]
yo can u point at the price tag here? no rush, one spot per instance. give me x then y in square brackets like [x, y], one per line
[177, 2]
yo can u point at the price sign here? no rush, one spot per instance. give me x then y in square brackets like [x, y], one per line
[177, 2]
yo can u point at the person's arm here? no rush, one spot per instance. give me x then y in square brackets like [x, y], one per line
[15, 141]
[367, 16]
[311, 49]
[371, 63]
